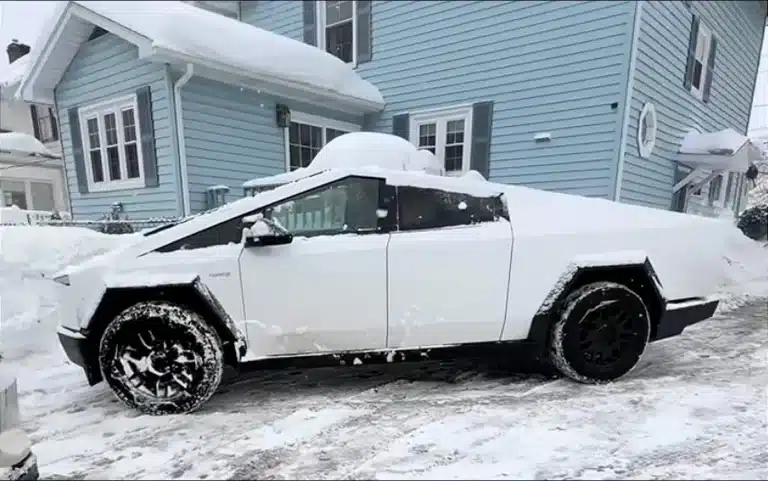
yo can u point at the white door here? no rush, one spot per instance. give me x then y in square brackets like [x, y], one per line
[449, 266]
[325, 291]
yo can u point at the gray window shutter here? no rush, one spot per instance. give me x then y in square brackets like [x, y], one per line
[35, 126]
[401, 125]
[364, 31]
[710, 69]
[78, 155]
[691, 52]
[310, 22]
[54, 126]
[482, 127]
[147, 129]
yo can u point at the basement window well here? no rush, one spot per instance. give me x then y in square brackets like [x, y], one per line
[646, 130]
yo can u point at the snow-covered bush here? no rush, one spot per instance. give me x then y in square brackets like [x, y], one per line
[753, 221]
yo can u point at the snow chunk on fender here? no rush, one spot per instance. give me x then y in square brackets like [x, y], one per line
[120, 281]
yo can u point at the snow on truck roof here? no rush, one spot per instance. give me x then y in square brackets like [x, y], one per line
[361, 149]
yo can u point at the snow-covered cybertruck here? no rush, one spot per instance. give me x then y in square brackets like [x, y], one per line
[383, 262]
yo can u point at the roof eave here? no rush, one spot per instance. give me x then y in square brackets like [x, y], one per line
[29, 88]
[313, 95]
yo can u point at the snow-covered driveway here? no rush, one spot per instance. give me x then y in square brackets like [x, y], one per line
[695, 408]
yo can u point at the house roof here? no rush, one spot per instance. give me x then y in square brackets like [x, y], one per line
[19, 143]
[219, 47]
[11, 75]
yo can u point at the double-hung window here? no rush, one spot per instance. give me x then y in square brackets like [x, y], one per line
[337, 32]
[307, 134]
[111, 147]
[447, 134]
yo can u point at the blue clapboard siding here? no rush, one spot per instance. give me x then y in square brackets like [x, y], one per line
[281, 17]
[230, 135]
[660, 68]
[106, 68]
[548, 67]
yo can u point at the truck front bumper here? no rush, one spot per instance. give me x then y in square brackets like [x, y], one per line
[74, 345]
[680, 315]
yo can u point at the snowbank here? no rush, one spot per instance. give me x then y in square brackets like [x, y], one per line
[214, 39]
[746, 269]
[23, 144]
[27, 298]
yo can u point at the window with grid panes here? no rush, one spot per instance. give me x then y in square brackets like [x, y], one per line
[339, 29]
[306, 140]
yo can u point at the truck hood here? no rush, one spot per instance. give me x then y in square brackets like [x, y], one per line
[100, 262]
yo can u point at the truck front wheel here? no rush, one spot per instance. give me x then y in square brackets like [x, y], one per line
[161, 358]
[601, 333]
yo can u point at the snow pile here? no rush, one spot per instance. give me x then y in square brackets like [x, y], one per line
[23, 144]
[746, 269]
[193, 34]
[361, 149]
[27, 297]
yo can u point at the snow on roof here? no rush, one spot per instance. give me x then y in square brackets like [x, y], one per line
[724, 142]
[719, 150]
[23, 144]
[212, 38]
[11, 75]
[361, 149]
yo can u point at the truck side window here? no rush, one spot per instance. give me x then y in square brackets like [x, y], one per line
[424, 208]
[346, 206]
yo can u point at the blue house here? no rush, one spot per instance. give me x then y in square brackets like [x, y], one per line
[160, 101]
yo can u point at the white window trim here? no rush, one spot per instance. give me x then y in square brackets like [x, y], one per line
[98, 111]
[440, 117]
[703, 30]
[315, 121]
[645, 148]
[321, 26]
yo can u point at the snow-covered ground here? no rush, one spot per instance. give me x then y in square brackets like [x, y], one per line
[695, 407]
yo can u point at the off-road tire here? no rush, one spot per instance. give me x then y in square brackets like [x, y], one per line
[588, 317]
[178, 326]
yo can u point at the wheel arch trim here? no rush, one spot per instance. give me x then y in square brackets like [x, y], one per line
[123, 291]
[583, 267]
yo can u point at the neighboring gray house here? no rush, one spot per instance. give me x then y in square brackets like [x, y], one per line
[593, 98]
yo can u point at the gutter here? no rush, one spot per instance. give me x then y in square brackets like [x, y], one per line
[182, 148]
[360, 105]
[628, 102]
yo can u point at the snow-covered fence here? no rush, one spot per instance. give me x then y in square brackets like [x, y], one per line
[109, 226]
[15, 216]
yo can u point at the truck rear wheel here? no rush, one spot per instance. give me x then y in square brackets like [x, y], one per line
[161, 358]
[601, 333]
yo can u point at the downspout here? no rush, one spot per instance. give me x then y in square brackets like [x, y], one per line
[628, 101]
[180, 134]
[67, 192]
